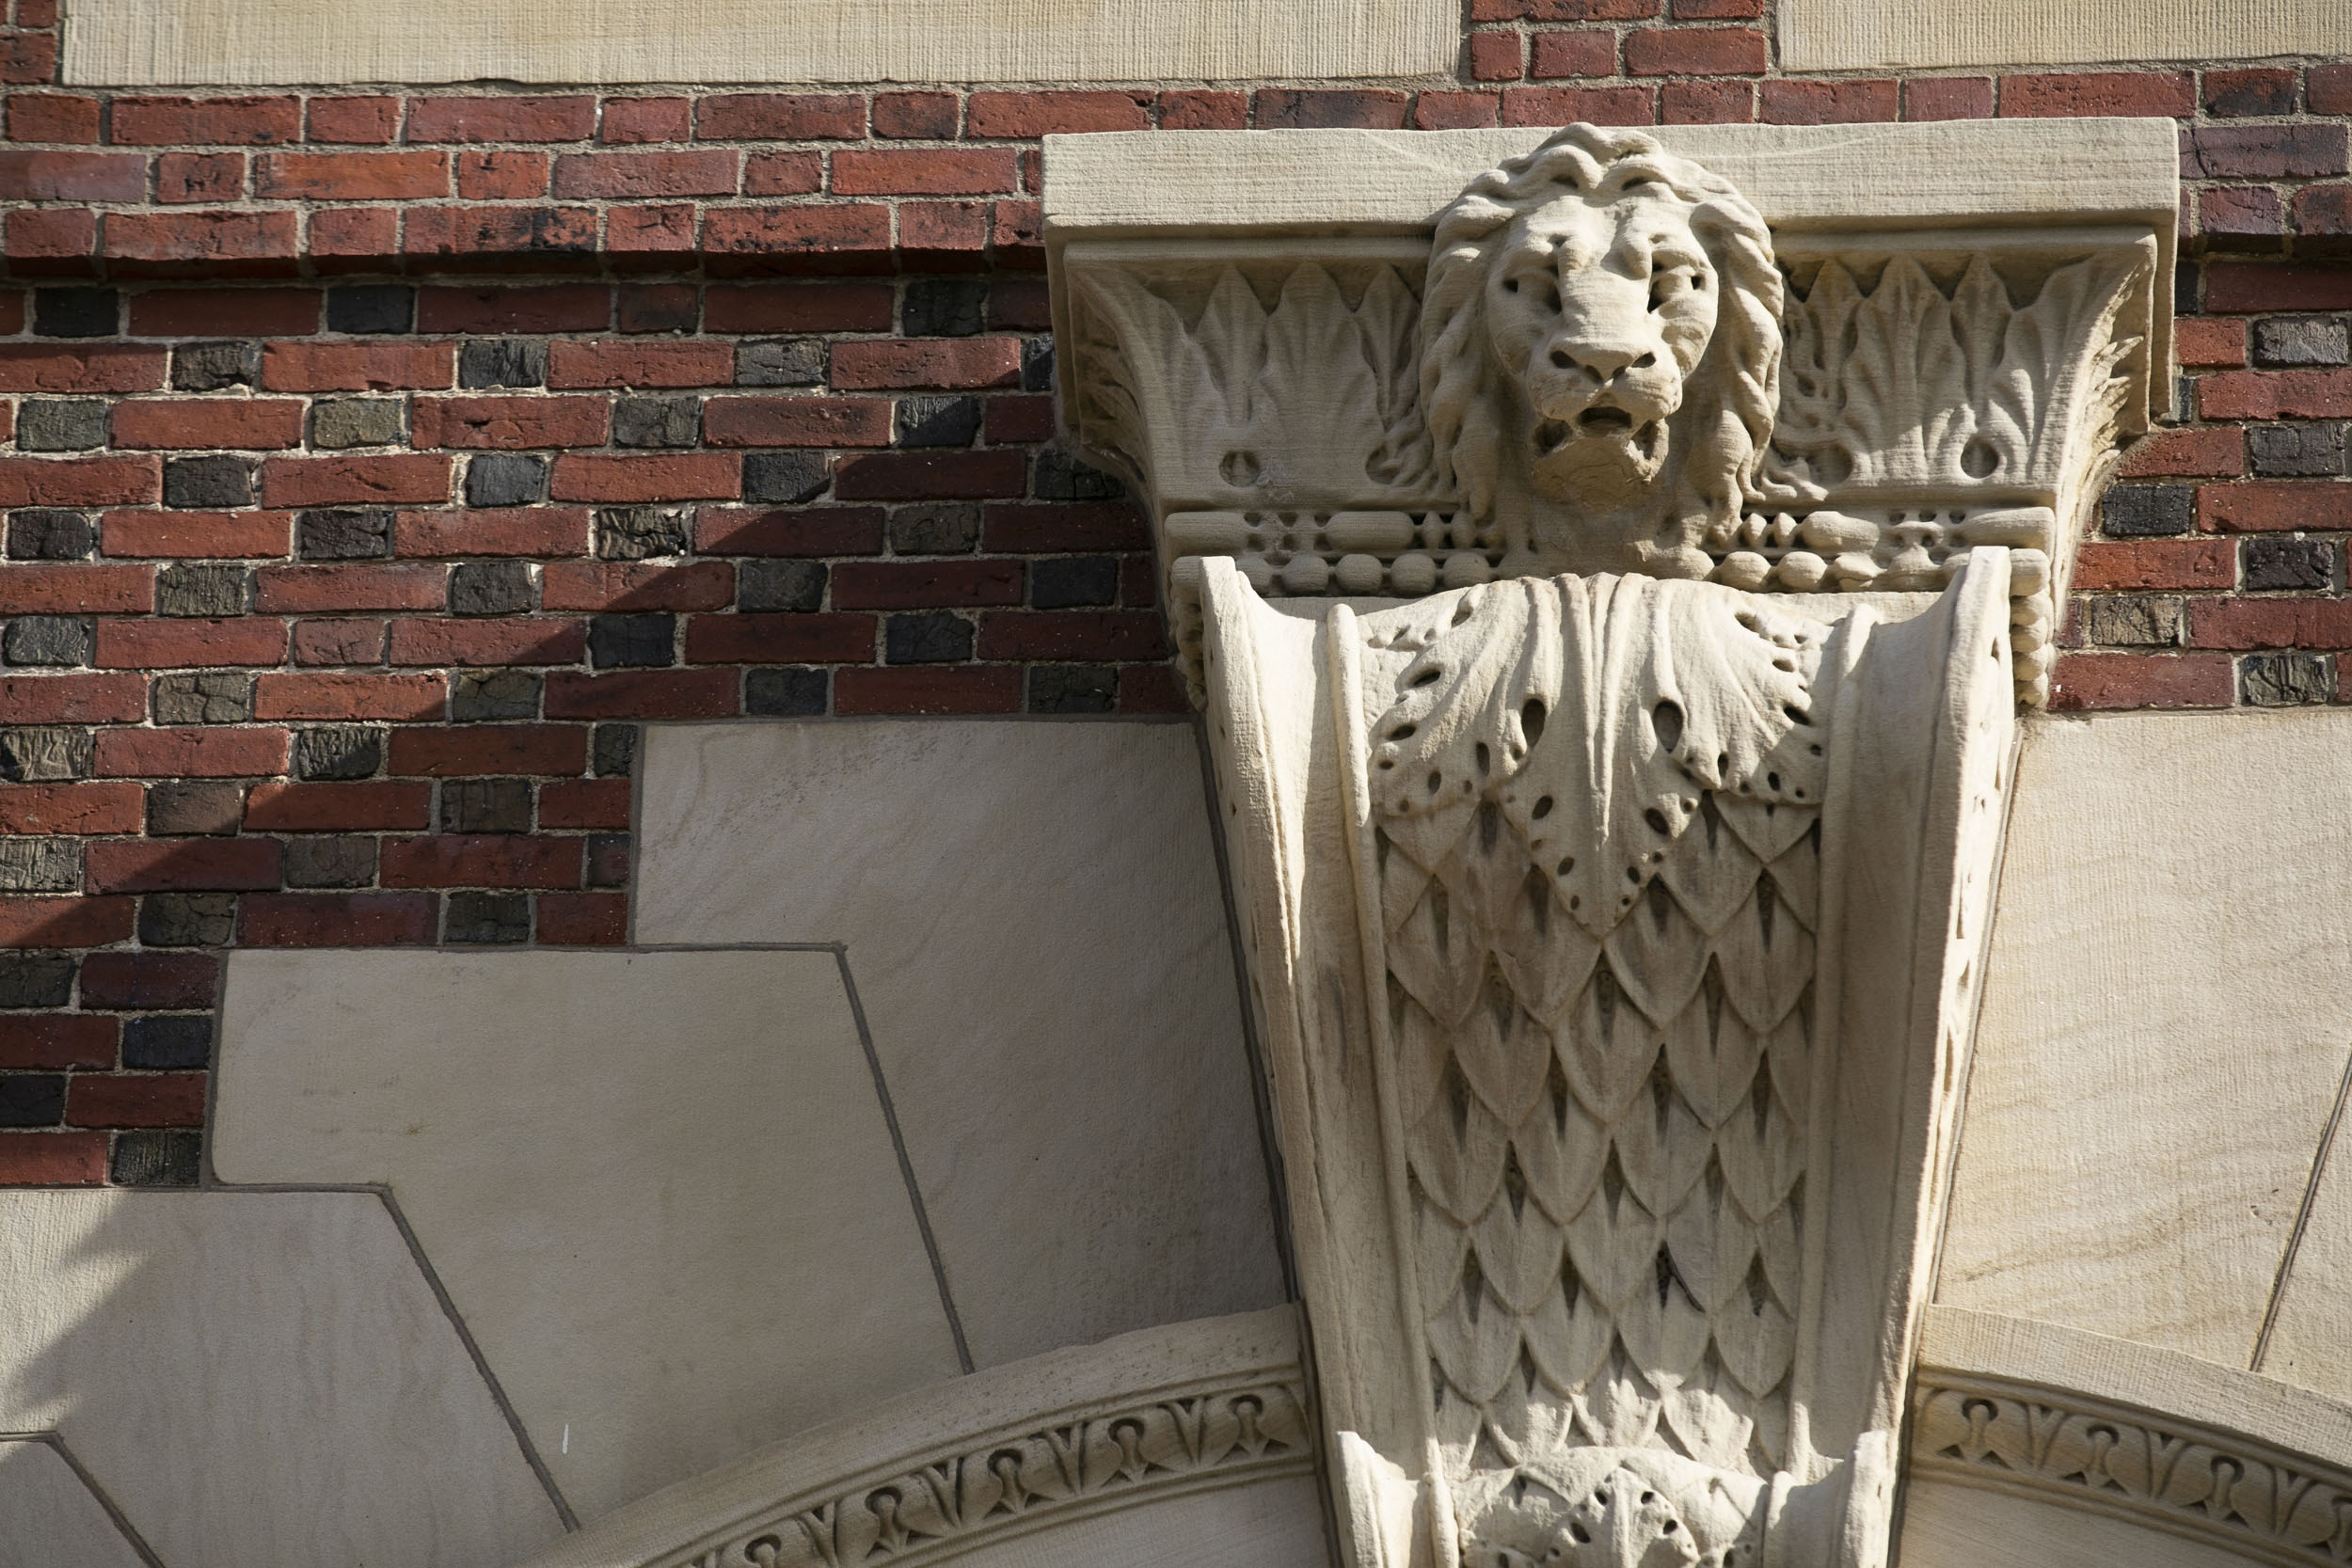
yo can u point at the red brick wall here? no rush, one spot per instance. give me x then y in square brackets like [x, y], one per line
[371, 464]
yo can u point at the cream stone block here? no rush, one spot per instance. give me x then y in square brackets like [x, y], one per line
[1035, 930]
[659, 1187]
[1839, 35]
[258, 1380]
[1936, 175]
[48, 1516]
[217, 42]
[1273, 1524]
[2163, 1028]
[2312, 1328]
[1947, 1526]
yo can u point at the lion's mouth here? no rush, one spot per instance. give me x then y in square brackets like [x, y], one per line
[1602, 422]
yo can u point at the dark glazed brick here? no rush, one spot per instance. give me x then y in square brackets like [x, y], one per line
[2240, 93]
[1037, 365]
[647, 421]
[202, 591]
[632, 642]
[329, 861]
[490, 588]
[2276, 563]
[213, 483]
[371, 308]
[486, 806]
[358, 423]
[785, 692]
[608, 860]
[502, 362]
[780, 362]
[2295, 450]
[356, 535]
[45, 533]
[43, 754]
[170, 1044]
[1073, 689]
[195, 808]
[615, 751]
[485, 695]
[505, 479]
[32, 1099]
[1065, 583]
[156, 1157]
[2141, 510]
[938, 421]
[40, 865]
[488, 918]
[2286, 342]
[36, 979]
[642, 532]
[213, 366]
[1063, 477]
[780, 585]
[60, 424]
[64, 641]
[931, 637]
[935, 527]
[76, 312]
[783, 478]
[204, 697]
[939, 308]
[338, 751]
[186, 919]
[2283, 680]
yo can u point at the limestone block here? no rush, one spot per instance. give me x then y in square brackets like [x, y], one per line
[2314, 1322]
[48, 1514]
[1947, 1526]
[297, 41]
[1034, 923]
[258, 1380]
[2162, 1030]
[1935, 175]
[1837, 35]
[659, 1187]
[1274, 1524]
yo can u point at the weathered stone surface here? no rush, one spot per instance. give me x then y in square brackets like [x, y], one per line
[48, 1514]
[715, 1248]
[1050, 988]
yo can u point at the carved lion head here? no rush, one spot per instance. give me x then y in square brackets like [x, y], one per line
[1600, 353]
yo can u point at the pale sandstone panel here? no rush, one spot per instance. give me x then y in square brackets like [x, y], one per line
[1840, 35]
[658, 1186]
[223, 43]
[259, 1379]
[2309, 1341]
[1274, 1524]
[1035, 927]
[1947, 1526]
[2163, 1025]
[48, 1516]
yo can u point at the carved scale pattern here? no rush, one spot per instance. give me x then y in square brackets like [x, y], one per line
[1599, 942]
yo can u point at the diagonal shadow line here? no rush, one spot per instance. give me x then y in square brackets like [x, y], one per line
[906, 1166]
[2302, 1217]
[56, 1441]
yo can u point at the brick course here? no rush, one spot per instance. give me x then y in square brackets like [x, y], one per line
[425, 443]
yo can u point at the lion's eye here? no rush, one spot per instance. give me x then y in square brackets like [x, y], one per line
[1510, 285]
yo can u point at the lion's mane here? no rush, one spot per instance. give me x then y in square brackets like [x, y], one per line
[1728, 398]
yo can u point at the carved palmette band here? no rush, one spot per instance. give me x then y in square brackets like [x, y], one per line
[2160, 1472]
[965, 1495]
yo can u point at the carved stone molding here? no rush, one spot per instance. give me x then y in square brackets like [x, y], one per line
[1035, 1446]
[1914, 390]
[2153, 1437]
[1610, 614]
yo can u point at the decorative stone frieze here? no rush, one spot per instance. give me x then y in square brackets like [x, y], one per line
[1611, 623]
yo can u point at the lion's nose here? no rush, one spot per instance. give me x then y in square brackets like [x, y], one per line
[1601, 360]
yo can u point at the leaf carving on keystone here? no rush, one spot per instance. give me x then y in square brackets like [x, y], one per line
[1595, 804]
